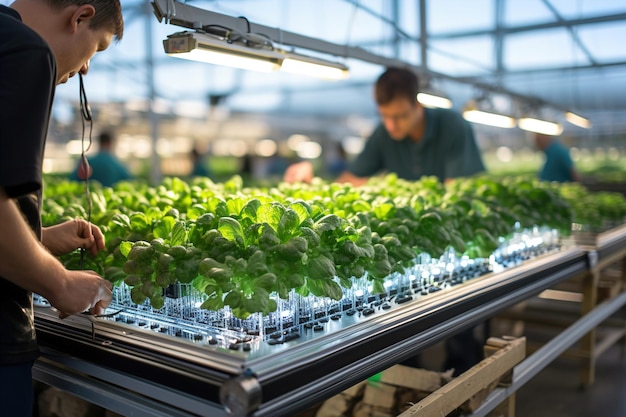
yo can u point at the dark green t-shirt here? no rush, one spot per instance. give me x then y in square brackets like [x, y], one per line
[447, 150]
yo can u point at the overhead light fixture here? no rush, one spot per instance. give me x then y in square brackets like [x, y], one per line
[577, 120]
[540, 126]
[475, 115]
[490, 119]
[212, 49]
[314, 67]
[429, 96]
[434, 100]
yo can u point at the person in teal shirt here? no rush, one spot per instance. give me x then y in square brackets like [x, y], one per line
[199, 166]
[411, 140]
[558, 165]
[104, 166]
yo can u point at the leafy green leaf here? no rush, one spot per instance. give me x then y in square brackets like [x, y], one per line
[384, 210]
[213, 303]
[327, 223]
[378, 287]
[270, 214]
[265, 281]
[258, 302]
[321, 268]
[164, 227]
[230, 228]
[121, 220]
[179, 234]
[302, 209]
[250, 209]
[361, 206]
[332, 290]
[235, 205]
[139, 221]
[234, 299]
[125, 248]
[195, 212]
[311, 237]
[256, 264]
[288, 223]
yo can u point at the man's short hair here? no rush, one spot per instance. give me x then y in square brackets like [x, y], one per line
[105, 138]
[108, 14]
[395, 83]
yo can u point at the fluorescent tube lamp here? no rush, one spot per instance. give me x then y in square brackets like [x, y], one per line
[432, 100]
[206, 48]
[540, 126]
[577, 120]
[487, 118]
[304, 65]
[211, 49]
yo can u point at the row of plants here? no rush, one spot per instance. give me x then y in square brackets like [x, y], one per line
[240, 245]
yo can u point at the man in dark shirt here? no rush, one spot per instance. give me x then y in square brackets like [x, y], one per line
[42, 43]
[411, 141]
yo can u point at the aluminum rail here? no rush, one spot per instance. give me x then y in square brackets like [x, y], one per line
[92, 383]
[394, 339]
[611, 242]
[195, 381]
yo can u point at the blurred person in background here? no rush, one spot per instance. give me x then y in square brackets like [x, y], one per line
[558, 165]
[199, 164]
[339, 162]
[411, 140]
[42, 44]
[276, 166]
[104, 166]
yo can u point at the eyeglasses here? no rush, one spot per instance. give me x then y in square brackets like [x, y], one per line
[396, 117]
[87, 119]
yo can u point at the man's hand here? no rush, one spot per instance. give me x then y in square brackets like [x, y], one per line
[83, 291]
[299, 172]
[71, 235]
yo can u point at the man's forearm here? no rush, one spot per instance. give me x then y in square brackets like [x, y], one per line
[348, 177]
[23, 260]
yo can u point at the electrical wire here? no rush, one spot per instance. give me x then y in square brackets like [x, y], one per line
[232, 35]
[247, 22]
[87, 118]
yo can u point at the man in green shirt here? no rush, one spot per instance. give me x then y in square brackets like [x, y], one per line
[411, 141]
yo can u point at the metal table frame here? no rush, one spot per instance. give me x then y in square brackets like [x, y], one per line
[132, 376]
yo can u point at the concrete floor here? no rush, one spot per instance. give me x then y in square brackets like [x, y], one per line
[556, 390]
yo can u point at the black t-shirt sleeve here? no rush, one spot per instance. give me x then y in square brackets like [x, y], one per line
[26, 92]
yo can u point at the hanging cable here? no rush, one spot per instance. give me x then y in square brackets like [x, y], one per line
[86, 119]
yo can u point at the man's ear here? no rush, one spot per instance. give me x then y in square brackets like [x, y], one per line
[82, 15]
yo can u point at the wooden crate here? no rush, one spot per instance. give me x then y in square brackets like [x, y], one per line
[469, 389]
[406, 391]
